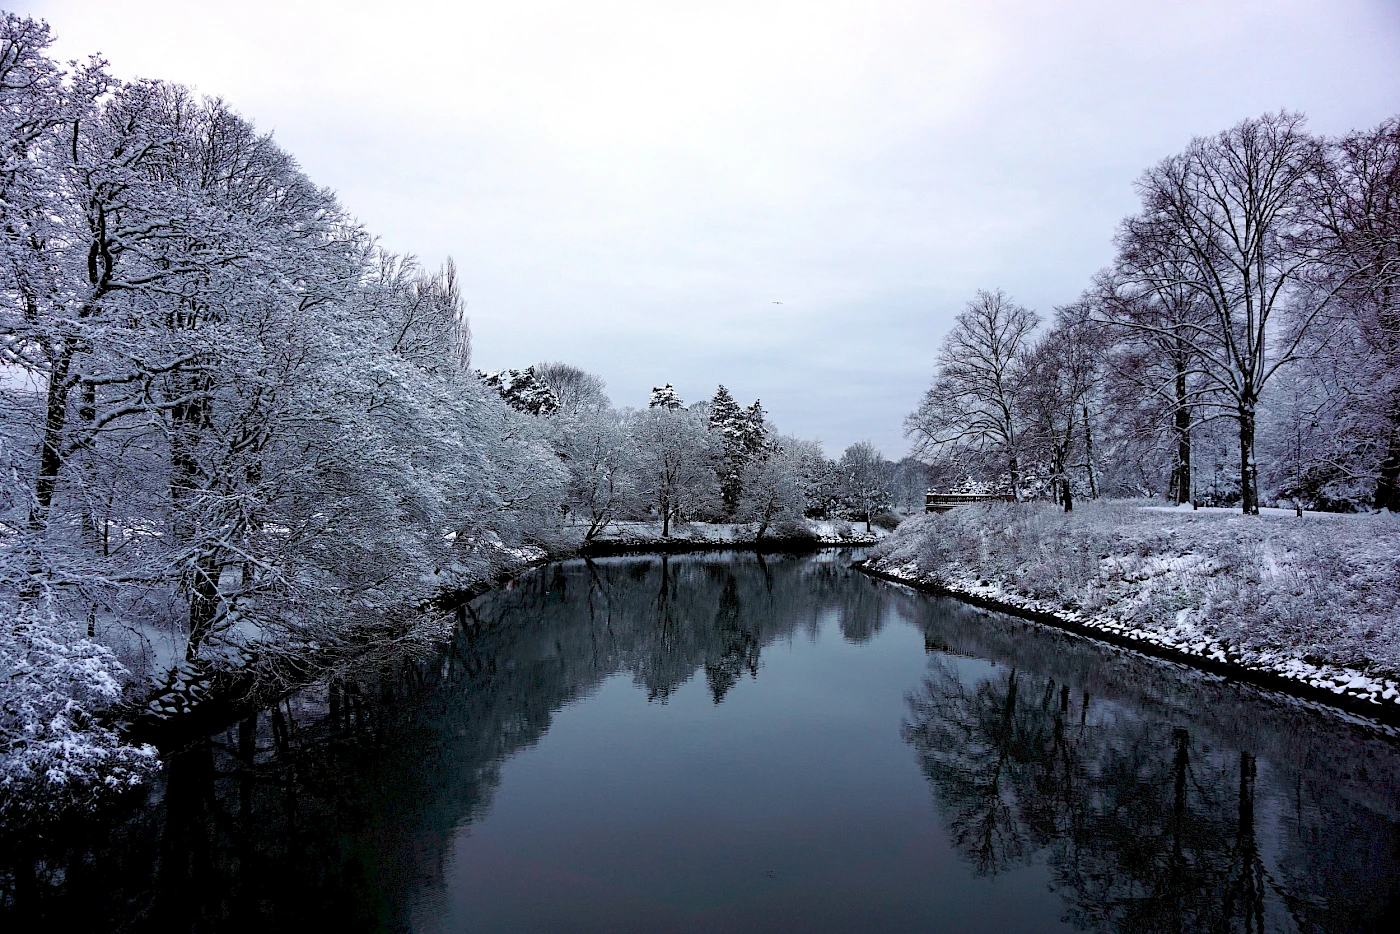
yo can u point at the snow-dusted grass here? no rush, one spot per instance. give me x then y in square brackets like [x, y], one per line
[1315, 599]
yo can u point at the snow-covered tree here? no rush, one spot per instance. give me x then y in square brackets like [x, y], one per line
[866, 477]
[675, 456]
[576, 390]
[665, 397]
[971, 412]
[1342, 410]
[523, 390]
[600, 458]
[742, 438]
[774, 489]
[1061, 373]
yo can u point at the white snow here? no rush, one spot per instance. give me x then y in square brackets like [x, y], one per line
[1315, 602]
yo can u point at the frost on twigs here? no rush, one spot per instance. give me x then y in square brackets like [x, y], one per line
[54, 686]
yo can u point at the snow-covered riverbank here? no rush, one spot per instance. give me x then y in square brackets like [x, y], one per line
[69, 706]
[645, 536]
[1311, 604]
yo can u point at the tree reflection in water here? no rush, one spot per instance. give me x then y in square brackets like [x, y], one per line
[1143, 828]
[336, 809]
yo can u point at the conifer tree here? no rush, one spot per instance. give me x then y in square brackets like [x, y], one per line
[665, 397]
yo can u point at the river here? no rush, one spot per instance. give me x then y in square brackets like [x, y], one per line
[728, 742]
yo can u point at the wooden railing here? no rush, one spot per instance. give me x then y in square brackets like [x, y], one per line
[942, 502]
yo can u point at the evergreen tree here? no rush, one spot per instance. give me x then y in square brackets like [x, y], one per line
[665, 397]
[727, 423]
[523, 391]
[742, 440]
[753, 432]
[724, 411]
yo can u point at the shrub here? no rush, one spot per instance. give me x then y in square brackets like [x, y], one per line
[55, 751]
[886, 520]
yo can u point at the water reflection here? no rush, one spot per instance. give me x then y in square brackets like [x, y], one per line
[1148, 826]
[1156, 799]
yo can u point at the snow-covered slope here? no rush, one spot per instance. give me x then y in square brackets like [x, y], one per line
[1315, 601]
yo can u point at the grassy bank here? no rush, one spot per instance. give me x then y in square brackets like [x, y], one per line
[1311, 601]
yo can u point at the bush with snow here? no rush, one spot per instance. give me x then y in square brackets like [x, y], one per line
[55, 684]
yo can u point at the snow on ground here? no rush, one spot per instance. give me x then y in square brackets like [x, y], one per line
[1314, 601]
[1187, 508]
[730, 534]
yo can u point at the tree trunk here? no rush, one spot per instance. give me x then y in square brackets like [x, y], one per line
[1089, 455]
[1016, 477]
[1181, 488]
[204, 602]
[1249, 473]
[51, 452]
[87, 414]
[184, 468]
[1388, 483]
[665, 517]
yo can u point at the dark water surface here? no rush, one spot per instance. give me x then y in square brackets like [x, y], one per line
[729, 743]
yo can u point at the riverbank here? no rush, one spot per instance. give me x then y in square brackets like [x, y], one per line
[105, 739]
[1307, 606]
[193, 698]
[635, 537]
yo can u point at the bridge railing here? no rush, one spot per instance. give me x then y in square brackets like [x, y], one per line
[942, 502]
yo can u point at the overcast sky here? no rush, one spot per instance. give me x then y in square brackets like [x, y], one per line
[633, 187]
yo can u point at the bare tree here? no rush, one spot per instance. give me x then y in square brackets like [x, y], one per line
[577, 390]
[1227, 221]
[972, 406]
[1061, 373]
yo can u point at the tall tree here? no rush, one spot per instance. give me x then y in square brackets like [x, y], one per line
[1228, 221]
[866, 477]
[1152, 361]
[972, 408]
[1061, 374]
